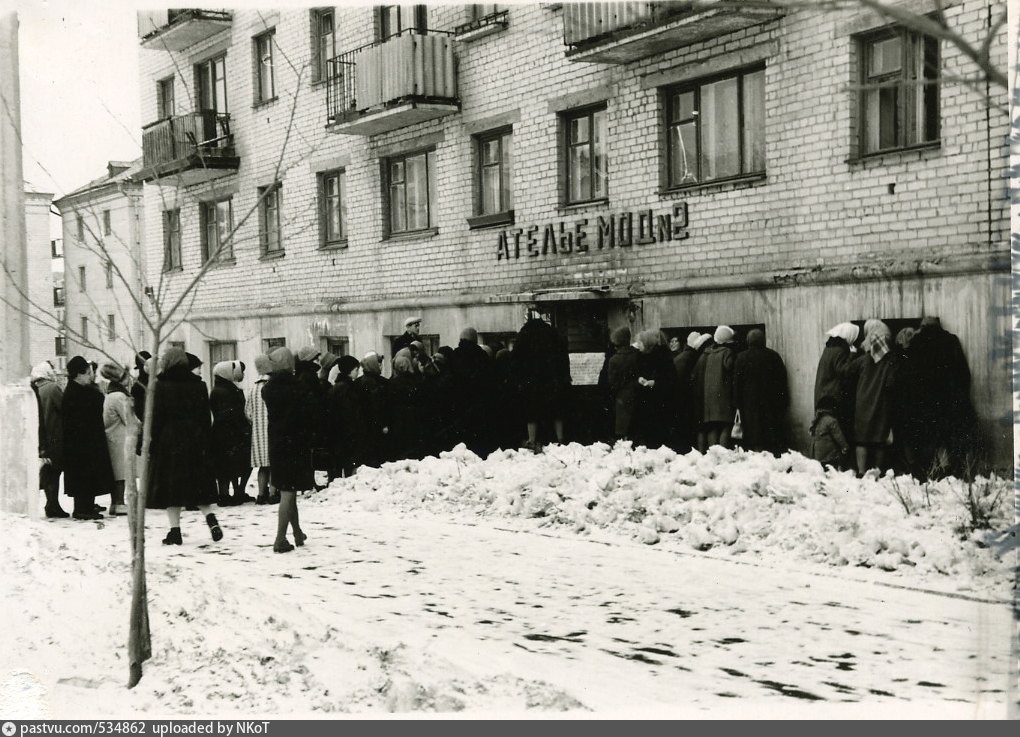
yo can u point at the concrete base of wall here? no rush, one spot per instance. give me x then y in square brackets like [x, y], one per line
[19, 451]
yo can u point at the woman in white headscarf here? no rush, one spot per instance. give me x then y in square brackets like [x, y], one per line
[718, 408]
[231, 433]
[873, 374]
[830, 377]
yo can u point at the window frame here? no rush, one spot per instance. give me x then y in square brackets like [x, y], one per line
[60, 345]
[213, 345]
[80, 226]
[109, 274]
[107, 223]
[84, 324]
[172, 260]
[205, 87]
[164, 86]
[911, 119]
[341, 344]
[388, 163]
[269, 344]
[321, 66]
[566, 118]
[271, 195]
[267, 37]
[505, 169]
[322, 179]
[111, 327]
[745, 171]
[81, 279]
[418, 21]
[206, 207]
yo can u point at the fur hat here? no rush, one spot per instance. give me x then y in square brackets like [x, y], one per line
[43, 370]
[326, 364]
[346, 364]
[113, 372]
[723, 334]
[756, 338]
[700, 341]
[174, 357]
[77, 366]
[469, 334]
[620, 337]
[371, 363]
[262, 364]
[648, 339]
[282, 359]
[692, 339]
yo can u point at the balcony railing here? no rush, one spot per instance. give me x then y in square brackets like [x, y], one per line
[619, 33]
[177, 29]
[196, 147]
[406, 79]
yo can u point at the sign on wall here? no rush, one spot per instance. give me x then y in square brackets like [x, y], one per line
[615, 230]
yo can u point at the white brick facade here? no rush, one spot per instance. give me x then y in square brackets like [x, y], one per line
[824, 237]
[41, 332]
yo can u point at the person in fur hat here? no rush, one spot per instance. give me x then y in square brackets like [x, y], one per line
[231, 433]
[345, 431]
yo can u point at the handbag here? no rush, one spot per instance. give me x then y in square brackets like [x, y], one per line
[737, 433]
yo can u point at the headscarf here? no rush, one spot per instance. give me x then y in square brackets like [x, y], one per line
[723, 334]
[846, 331]
[648, 339]
[326, 364]
[263, 365]
[173, 357]
[692, 340]
[229, 370]
[701, 340]
[43, 370]
[308, 353]
[904, 337]
[113, 372]
[371, 363]
[282, 359]
[877, 337]
[402, 365]
[194, 361]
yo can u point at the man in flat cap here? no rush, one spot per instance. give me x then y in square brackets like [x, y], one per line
[412, 326]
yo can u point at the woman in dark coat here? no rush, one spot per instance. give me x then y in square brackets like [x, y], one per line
[760, 393]
[143, 359]
[718, 409]
[290, 403]
[87, 471]
[655, 411]
[440, 392]
[507, 418]
[51, 436]
[874, 376]
[906, 405]
[180, 462]
[374, 400]
[407, 409]
[345, 419]
[622, 379]
[231, 433]
[540, 366]
[683, 364]
[830, 376]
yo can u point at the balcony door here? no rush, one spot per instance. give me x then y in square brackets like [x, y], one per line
[397, 19]
[211, 80]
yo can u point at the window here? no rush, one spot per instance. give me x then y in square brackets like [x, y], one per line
[81, 278]
[495, 173]
[498, 340]
[84, 330]
[585, 155]
[483, 10]
[269, 344]
[171, 240]
[431, 343]
[60, 345]
[106, 223]
[56, 251]
[337, 346]
[58, 296]
[80, 222]
[211, 81]
[109, 274]
[165, 98]
[217, 225]
[323, 43]
[397, 19]
[332, 208]
[270, 234]
[265, 89]
[716, 128]
[111, 327]
[175, 344]
[410, 183]
[900, 90]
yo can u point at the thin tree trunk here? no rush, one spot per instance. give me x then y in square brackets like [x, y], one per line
[139, 639]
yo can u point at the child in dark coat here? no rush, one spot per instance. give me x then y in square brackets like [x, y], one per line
[828, 444]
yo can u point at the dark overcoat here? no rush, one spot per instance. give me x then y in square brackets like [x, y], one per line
[540, 366]
[231, 431]
[622, 378]
[87, 469]
[51, 423]
[873, 404]
[290, 403]
[374, 400]
[717, 401]
[407, 399]
[346, 424]
[761, 394]
[180, 450]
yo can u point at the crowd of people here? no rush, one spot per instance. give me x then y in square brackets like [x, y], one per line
[316, 412]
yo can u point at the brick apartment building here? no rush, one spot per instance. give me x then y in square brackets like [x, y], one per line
[646, 164]
[102, 225]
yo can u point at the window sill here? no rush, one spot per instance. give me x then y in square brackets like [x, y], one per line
[482, 27]
[413, 235]
[272, 255]
[223, 262]
[717, 185]
[581, 206]
[263, 103]
[340, 245]
[490, 221]
[894, 154]
[174, 270]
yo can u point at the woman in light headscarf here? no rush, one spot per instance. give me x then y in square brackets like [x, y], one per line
[180, 464]
[121, 429]
[830, 376]
[255, 411]
[718, 408]
[231, 433]
[873, 375]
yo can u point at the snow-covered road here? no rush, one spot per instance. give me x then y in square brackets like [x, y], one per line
[389, 609]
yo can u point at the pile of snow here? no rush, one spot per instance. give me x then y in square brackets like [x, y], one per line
[723, 501]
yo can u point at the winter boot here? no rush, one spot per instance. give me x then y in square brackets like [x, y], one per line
[299, 538]
[53, 508]
[283, 546]
[214, 527]
[173, 537]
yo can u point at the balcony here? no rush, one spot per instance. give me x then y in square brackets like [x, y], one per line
[407, 79]
[193, 148]
[619, 33]
[176, 30]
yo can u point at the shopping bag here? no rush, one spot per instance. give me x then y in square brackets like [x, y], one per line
[737, 433]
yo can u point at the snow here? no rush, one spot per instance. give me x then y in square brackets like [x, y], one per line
[583, 580]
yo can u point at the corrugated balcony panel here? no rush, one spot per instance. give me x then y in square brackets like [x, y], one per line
[402, 81]
[178, 29]
[620, 33]
[191, 148]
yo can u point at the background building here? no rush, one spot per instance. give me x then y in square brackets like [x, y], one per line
[104, 265]
[621, 163]
[43, 265]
